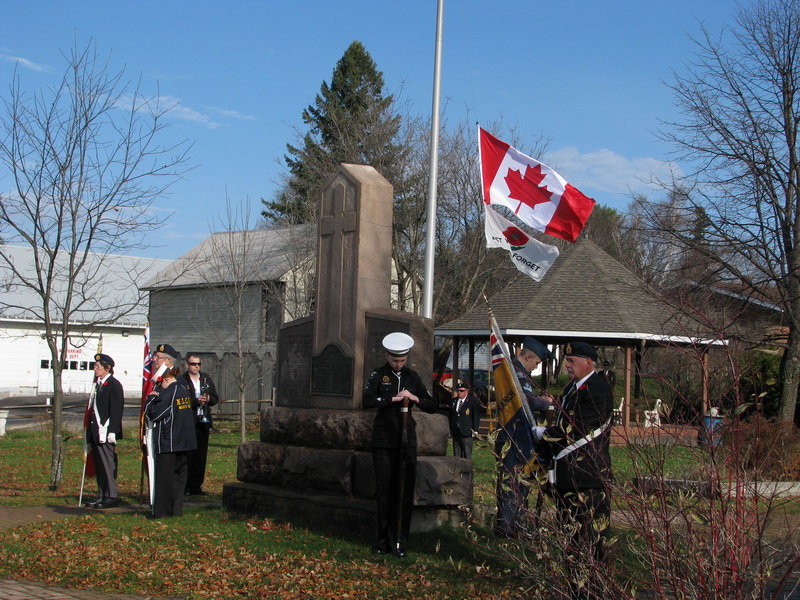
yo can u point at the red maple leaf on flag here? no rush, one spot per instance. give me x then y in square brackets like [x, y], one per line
[527, 189]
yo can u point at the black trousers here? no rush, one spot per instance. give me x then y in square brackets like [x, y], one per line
[197, 461]
[390, 471]
[170, 484]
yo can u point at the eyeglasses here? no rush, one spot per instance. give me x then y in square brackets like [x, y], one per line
[197, 364]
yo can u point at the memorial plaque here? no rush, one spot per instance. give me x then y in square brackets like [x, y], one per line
[332, 373]
[294, 362]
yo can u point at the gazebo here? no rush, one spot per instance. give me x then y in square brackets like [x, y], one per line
[585, 296]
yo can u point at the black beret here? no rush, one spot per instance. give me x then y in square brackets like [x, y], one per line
[104, 359]
[581, 349]
[167, 349]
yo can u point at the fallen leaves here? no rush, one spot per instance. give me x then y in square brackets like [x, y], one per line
[163, 560]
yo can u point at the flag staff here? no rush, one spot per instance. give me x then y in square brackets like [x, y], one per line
[427, 288]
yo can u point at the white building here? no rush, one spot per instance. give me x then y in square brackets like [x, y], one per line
[24, 354]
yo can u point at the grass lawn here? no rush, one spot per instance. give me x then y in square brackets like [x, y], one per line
[209, 553]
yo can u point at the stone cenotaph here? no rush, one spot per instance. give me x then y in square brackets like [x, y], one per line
[313, 459]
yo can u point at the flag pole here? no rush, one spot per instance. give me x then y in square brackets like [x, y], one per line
[427, 287]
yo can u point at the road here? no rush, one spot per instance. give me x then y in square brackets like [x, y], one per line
[25, 412]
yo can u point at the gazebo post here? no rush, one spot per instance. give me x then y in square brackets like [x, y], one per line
[706, 383]
[626, 409]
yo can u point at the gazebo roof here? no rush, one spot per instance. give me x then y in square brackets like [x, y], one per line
[586, 295]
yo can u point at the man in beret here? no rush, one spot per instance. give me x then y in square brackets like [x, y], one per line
[394, 389]
[578, 444]
[105, 426]
[512, 495]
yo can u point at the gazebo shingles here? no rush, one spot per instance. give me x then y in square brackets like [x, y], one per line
[586, 290]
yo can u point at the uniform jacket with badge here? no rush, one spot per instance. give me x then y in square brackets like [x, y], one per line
[210, 389]
[535, 402]
[382, 385]
[109, 403]
[581, 412]
[466, 418]
[170, 409]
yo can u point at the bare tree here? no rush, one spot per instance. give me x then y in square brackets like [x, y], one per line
[85, 167]
[740, 101]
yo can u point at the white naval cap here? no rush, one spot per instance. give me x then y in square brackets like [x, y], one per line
[398, 343]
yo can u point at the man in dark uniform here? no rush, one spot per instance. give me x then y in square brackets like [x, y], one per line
[465, 419]
[610, 376]
[578, 444]
[393, 389]
[105, 426]
[204, 395]
[169, 409]
[512, 495]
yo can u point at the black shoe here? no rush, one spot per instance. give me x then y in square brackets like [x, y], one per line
[94, 503]
[381, 548]
[400, 552]
[108, 503]
[200, 493]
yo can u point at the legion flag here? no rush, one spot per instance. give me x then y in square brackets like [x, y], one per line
[511, 404]
[529, 255]
[532, 190]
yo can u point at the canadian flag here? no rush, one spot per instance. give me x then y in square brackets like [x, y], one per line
[531, 190]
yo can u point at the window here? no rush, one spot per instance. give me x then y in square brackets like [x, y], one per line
[44, 364]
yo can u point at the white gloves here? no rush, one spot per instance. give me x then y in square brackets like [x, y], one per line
[111, 438]
[538, 432]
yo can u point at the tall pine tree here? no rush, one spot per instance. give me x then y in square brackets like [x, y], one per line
[351, 121]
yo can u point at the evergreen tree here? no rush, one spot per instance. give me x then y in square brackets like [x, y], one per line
[351, 121]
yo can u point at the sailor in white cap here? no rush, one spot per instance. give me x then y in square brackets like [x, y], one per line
[394, 389]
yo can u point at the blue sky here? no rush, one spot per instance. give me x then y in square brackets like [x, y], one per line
[588, 75]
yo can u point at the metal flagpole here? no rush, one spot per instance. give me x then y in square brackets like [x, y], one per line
[427, 288]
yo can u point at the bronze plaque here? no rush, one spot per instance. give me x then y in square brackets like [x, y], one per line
[332, 373]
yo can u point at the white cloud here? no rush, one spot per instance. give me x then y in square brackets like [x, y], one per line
[230, 114]
[607, 171]
[24, 62]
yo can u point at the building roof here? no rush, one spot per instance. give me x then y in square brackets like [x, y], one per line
[107, 288]
[586, 295]
[246, 256]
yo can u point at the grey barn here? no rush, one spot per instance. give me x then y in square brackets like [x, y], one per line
[226, 300]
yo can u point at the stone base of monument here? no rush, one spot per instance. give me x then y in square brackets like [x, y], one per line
[314, 466]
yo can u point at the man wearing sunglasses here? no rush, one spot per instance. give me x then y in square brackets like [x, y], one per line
[203, 394]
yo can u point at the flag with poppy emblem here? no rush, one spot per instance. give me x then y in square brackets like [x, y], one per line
[534, 192]
[529, 255]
